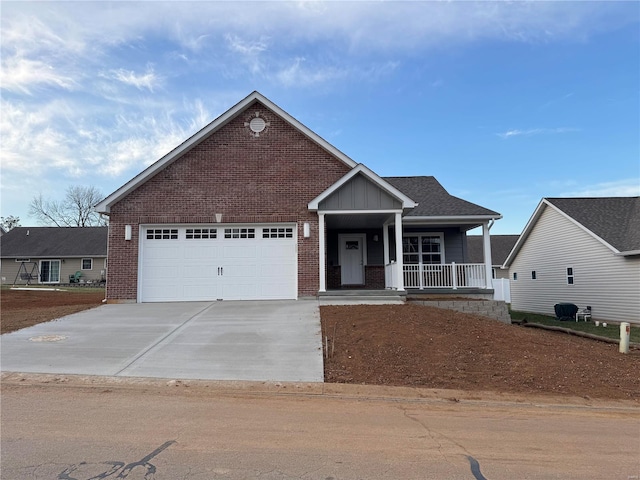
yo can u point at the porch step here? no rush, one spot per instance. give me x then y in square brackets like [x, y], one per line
[495, 309]
[361, 297]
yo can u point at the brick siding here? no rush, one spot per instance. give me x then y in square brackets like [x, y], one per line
[247, 179]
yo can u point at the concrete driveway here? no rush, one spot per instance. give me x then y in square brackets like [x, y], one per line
[259, 341]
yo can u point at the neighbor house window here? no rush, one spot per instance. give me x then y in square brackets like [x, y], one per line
[87, 263]
[49, 271]
[515, 276]
[569, 276]
[533, 274]
[25, 260]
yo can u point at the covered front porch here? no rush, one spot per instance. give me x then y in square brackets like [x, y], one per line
[369, 241]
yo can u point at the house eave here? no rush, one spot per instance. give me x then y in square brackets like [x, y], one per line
[451, 220]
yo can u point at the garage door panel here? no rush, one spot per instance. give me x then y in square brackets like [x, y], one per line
[207, 269]
[277, 251]
[200, 253]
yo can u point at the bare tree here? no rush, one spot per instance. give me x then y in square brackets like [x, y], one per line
[7, 223]
[75, 210]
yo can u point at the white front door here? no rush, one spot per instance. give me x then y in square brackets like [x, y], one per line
[352, 259]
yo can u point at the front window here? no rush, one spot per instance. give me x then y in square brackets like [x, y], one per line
[423, 250]
[50, 271]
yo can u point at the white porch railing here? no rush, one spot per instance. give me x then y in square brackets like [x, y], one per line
[453, 275]
[391, 275]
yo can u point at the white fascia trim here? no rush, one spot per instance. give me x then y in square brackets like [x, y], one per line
[358, 212]
[371, 175]
[451, 219]
[105, 205]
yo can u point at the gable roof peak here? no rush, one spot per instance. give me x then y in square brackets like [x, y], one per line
[104, 206]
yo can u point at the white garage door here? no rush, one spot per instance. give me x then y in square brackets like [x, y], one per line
[213, 262]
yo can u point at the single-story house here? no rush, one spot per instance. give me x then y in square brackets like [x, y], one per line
[257, 206]
[49, 255]
[501, 246]
[584, 251]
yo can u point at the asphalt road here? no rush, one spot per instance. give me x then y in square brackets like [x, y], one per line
[172, 430]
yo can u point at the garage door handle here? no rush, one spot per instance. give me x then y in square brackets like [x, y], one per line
[220, 270]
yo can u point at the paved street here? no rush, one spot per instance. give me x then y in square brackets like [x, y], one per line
[61, 428]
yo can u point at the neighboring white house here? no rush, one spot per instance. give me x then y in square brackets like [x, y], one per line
[584, 251]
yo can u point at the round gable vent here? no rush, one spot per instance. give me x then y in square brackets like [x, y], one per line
[257, 124]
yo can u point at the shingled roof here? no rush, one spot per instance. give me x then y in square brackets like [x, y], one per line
[434, 201]
[616, 220]
[54, 242]
[501, 245]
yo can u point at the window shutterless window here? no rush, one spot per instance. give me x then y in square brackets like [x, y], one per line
[569, 276]
[87, 264]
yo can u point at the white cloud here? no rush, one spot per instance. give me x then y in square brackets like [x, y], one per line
[536, 131]
[249, 51]
[54, 140]
[629, 187]
[22, 76]
[149, 80]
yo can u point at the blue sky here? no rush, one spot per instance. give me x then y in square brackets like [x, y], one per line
[504, 103]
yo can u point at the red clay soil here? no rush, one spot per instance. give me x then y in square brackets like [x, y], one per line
[412, 345]
[24, 308]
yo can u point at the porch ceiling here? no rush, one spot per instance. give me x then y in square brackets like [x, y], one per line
[361, 220]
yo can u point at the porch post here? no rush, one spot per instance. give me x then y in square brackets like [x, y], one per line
[399, 262]
[486, 244]
[321, 252]
[385, 243]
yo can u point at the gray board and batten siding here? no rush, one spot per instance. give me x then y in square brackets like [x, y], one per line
[360, 193]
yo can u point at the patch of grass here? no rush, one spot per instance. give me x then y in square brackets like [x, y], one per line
[610, 331]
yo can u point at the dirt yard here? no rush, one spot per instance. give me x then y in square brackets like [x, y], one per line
[24, 308]
[411, 345]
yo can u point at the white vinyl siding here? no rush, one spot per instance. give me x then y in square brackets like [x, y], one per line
[608, 282]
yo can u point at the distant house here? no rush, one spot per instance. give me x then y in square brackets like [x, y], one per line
[584, 251]
[49, 255]
[501, 245]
